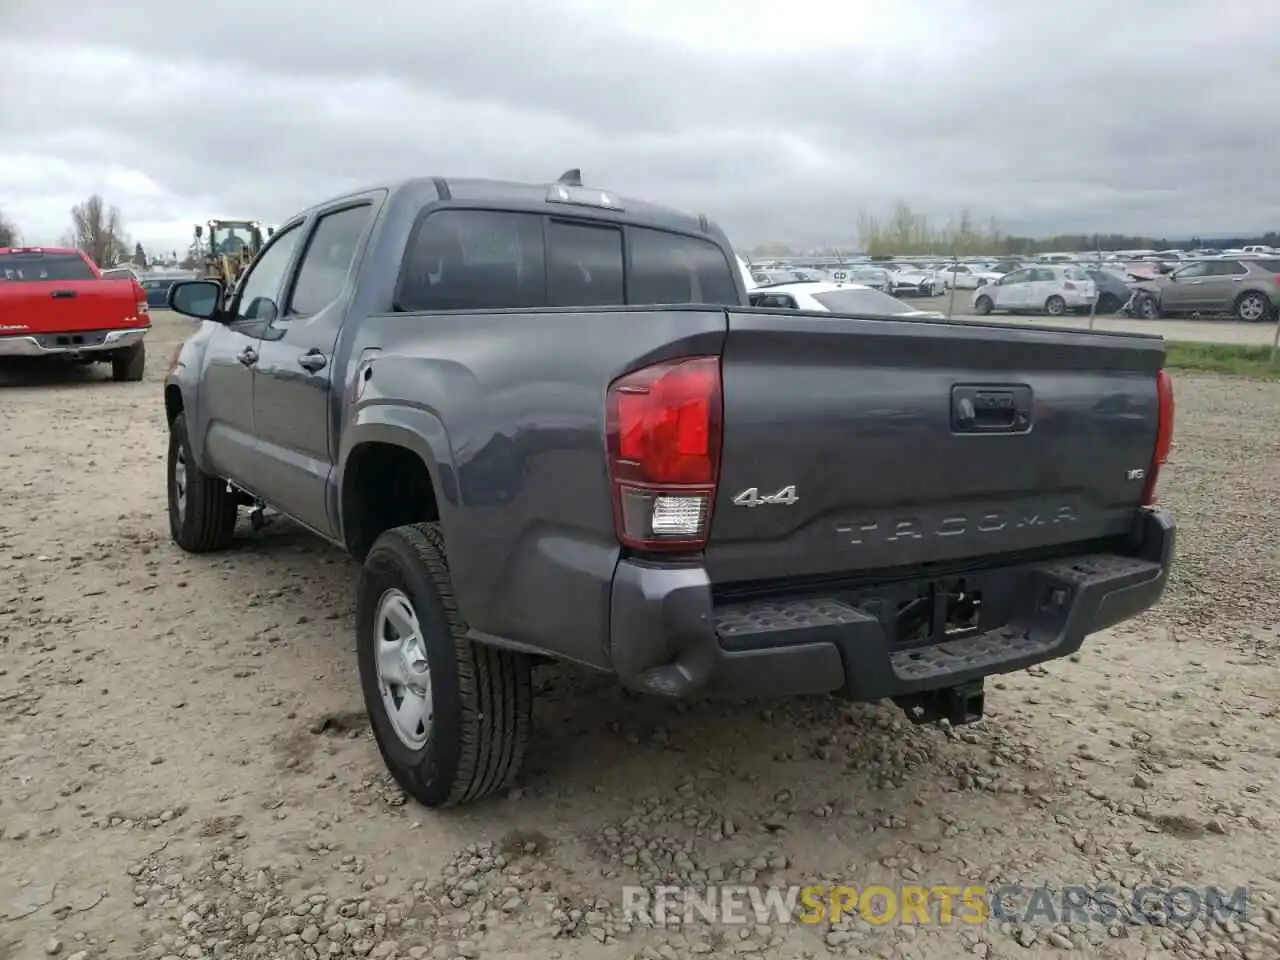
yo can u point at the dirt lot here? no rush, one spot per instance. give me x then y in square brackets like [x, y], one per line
[185, 770]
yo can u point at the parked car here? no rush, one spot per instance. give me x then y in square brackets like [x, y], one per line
[56, 304]
[877, 278]
[1113, 290]
[119, 273]
[1247, 288]
[965, 277]
[546, 424]
[909, 280]
[157, 288]
[839, 298]
[1044, 288]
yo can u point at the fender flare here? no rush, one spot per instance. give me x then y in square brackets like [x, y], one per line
[411, 428]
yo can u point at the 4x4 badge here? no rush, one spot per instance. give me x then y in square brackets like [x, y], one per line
[751, 497]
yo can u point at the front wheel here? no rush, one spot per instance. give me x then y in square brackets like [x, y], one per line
[1253, 308]
[984, 306]
[202, 512]
[451, 717]
[1146, 306]
[1055, 306]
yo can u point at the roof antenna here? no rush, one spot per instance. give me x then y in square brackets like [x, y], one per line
[572, 178]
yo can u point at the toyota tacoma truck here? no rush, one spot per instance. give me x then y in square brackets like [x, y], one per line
[54, 303]
[547, 424]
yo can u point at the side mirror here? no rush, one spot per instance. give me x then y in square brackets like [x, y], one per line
[195, 298]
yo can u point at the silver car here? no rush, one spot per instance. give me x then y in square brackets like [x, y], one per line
[1246, 287]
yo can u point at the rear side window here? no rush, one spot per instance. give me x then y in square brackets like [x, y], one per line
[327, 259]
[475, 260]
[488, 260]
[584, 265]
[1227, 268]
[34, 267]
[670, 268]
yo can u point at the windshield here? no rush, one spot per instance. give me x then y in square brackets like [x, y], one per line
[34, 267]
[862, 301]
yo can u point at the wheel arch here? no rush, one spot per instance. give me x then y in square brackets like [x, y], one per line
[393, 474]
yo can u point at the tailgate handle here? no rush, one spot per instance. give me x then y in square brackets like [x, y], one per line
[976, 409]
[63, 294]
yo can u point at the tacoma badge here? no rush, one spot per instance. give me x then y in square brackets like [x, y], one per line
[751, 497]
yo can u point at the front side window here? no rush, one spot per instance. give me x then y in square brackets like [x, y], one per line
[327, 259]
[257, 297]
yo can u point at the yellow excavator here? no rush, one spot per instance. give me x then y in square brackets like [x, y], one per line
[231, 247]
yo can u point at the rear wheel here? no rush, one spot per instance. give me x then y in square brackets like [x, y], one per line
[1055, 306]
[451, 717]
[1253, 308]
[202, 512]
[983, 305]
[129, 365]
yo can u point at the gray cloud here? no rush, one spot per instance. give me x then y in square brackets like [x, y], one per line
[1152, 117]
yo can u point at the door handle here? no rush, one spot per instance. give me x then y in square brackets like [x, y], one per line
[248, 356]
[312, 360]
[63, 294]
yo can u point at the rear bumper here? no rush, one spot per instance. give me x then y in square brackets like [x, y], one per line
[80, 343]
[669, 636]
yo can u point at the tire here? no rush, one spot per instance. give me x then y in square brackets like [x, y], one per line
[984, 306]
[130, 364]
[1146, 307]
[1253, 307]
[474, 725]
[1055, 306]
[1108, 303]
[202, 513]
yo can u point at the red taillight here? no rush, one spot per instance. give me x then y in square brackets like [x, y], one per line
[1164, 435]
[663, 427]
[1068, 285]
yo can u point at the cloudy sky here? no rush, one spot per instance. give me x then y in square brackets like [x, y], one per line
[779, 120]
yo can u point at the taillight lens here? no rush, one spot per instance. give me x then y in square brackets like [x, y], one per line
[1164, 435]
[1068, 285]
[663, 429]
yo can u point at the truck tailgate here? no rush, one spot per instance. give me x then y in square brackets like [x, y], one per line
[855, 446]
[67, 306]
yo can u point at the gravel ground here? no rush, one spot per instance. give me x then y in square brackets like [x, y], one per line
[185, 769]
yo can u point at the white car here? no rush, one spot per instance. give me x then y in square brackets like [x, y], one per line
[1043, 288]
[838, 298]
[967, 276]
[913, 281]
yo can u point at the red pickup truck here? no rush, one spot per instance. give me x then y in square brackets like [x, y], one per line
[55, 303]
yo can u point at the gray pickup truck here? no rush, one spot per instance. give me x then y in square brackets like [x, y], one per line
[547, 424]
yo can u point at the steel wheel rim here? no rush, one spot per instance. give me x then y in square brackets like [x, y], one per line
[1251, 308]
[1056, 307]
[180, 482]
[404, 673]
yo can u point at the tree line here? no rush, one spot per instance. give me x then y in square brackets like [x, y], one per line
[906, 232]
[97, 228]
